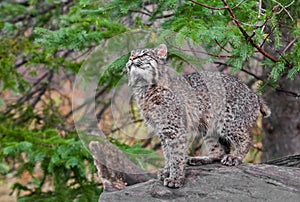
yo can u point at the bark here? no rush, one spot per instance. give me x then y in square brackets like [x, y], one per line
[288, 161]
[283, 127]
[215, 182]
[114, 168]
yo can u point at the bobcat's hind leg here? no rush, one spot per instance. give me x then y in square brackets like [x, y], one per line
[216, 148]
[242, 144]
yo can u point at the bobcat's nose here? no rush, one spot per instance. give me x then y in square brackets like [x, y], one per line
[133, 57]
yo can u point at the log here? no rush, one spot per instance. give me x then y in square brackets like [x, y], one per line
[111, 164]
[216, 182]
[289, 161]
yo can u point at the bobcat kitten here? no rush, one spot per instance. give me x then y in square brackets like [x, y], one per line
[218, 106]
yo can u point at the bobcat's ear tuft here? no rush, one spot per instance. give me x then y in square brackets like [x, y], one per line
[161, 51]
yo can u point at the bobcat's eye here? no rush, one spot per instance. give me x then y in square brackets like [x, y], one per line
[144, 52]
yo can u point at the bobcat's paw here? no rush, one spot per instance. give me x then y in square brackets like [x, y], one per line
[174, 182]
[162, 174]
[230, 160]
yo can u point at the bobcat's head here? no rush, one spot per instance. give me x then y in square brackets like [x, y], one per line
[144, 66]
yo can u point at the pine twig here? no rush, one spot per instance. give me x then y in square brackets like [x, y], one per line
[245, 34]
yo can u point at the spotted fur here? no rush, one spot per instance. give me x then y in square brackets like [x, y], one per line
[218, 106]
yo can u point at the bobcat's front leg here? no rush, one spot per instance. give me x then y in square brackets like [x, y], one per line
[164, 173]
[174, 148]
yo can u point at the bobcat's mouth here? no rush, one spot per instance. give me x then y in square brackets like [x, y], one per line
[128, 65]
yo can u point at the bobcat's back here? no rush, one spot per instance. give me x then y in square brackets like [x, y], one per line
[221, 99]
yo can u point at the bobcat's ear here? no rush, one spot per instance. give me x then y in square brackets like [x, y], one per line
[161, 51]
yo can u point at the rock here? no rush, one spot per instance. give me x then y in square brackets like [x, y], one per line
[215, 182]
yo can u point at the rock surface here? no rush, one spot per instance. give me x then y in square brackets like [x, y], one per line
[215, 182]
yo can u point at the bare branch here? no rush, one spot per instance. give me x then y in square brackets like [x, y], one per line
[150, 14]
[206, 6]
[139, 11]
[277, 89]
[103, 109]
[289, 45]
[87, 102]
[43, 89]
[242, 1]
[204, 52]
[284, 8]
[221, 46]
[290, 93]
[267, 36]
[125, 125]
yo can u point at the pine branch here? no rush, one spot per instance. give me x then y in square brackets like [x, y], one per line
[28, 95]
[243, 31]
[245, 34]
[40, 12]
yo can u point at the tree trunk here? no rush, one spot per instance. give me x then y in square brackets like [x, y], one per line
[283, 127]
[114, 168]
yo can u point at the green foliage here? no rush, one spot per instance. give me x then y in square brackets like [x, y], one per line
[113, 72]
[4, 169]
[277, 70]
[72, 38]
[79, 29]
[41, 150]
[10, 78]
[294, 56]
[45, 153]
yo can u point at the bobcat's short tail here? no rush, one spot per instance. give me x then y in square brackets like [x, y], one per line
[264, 109]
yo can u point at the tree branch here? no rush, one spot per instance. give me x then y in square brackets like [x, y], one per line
[221, 46]
[204, 52]
[238, 24]
[287, 161]
[40, 12]
[206, 6]
[245, 34]
[43, 89]
[277, 89]
[150, 14]
[87, 102]
[290, 93]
